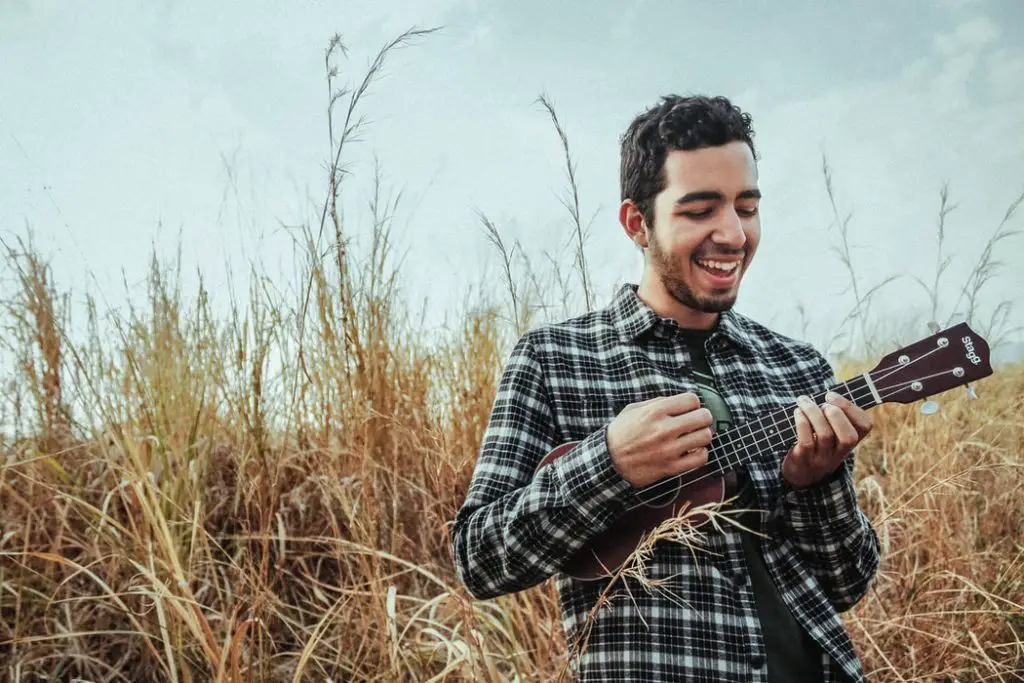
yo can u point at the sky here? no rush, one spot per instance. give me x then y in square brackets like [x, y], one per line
[128, 126]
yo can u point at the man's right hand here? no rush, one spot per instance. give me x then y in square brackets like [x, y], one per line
[659, 438]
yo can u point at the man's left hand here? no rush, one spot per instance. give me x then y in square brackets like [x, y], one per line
[825, 436]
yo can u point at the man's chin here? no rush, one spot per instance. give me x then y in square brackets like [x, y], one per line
[704, 304]
[716, 304]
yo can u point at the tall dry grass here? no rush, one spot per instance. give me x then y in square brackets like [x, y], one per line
[267, 496]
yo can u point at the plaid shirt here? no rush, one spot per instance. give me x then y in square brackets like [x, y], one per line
[565, 382]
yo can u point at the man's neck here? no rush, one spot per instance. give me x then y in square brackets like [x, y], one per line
[653, 293]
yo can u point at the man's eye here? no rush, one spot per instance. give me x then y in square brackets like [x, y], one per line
[747, 212]
[704, 213]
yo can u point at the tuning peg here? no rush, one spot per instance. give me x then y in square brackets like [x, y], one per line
[929, 407]
[933, 326]
[971, 394]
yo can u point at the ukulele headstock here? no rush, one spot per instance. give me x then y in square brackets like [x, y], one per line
[949, 358]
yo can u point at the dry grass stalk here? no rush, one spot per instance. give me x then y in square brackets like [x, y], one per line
[267, 497]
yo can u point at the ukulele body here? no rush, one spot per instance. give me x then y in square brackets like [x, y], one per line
[604, 554]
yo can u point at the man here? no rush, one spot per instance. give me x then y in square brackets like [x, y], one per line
[643, 384]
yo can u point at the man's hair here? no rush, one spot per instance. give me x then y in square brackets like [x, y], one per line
[676, 123]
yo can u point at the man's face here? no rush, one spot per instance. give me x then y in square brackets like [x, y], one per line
[706, 225]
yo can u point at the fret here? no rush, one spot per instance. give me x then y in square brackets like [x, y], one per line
[780, 431]
[861, 390]
[758, 434]
[719, 457]
[772, 432]
[720, 453]
[750, 441]
[856, 390]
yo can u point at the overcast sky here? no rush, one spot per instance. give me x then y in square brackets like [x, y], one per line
[124, 125]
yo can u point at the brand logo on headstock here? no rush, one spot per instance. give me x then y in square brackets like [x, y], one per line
[972, 355]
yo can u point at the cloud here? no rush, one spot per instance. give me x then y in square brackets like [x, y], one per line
[891, 144]
[970, 35]
[457, 109]
[960, 4]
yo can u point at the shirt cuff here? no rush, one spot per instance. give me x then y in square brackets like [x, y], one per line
[822, 483]
[590, 483]
[829, 504]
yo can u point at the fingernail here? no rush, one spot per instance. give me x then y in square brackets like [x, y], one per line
[832, 397]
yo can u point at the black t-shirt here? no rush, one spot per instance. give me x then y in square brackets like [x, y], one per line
[792, 654]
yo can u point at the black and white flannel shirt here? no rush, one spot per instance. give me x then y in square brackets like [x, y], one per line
[565, 382]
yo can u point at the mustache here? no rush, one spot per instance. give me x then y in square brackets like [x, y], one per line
[713, 255]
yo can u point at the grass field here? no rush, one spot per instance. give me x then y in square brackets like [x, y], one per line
[226, 522]
[266, 496]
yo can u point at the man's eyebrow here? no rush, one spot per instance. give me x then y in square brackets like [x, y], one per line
[701, 196]
[713, 196]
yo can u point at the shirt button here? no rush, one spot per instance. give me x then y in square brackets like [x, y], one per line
[756, 660]
[740, 579]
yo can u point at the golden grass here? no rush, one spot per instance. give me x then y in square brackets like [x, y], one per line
[267, 497]
[208, 513]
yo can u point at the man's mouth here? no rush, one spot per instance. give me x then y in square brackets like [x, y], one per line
[720, 272]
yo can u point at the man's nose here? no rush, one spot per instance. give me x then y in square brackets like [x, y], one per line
[730, 231]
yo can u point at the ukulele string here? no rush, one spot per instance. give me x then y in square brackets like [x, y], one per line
[882, 376]
[767, 439]
[669, 483]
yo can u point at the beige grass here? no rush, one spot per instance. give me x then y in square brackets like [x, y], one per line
[267, 497]
[192, 538]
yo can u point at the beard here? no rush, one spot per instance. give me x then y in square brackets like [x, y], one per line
[671, 275]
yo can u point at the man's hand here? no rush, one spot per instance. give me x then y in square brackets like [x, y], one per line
[660, 438]
[825, 436]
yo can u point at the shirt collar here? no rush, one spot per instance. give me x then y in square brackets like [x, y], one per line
[632, 318]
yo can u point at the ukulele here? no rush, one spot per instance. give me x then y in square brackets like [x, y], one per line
[947, 359]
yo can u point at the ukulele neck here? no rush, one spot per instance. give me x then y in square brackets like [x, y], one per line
[774, 432]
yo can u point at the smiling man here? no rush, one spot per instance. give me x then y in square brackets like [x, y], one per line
[642, 386]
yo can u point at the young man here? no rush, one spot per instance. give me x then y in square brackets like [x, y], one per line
[643, 384]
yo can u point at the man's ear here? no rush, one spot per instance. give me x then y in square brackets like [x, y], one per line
[632, 220]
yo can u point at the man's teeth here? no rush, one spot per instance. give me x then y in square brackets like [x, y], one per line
[720, 265]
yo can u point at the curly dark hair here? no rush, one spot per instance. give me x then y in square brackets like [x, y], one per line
[676, 123]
